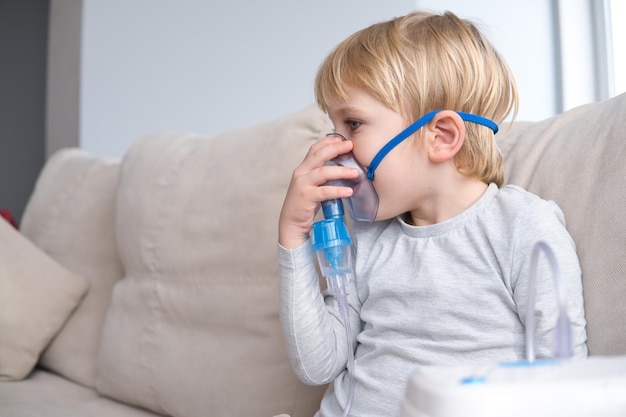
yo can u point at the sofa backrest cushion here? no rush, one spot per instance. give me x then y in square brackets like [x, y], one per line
[578, 160]
[37, 295]
[70, 216]
[193, 328]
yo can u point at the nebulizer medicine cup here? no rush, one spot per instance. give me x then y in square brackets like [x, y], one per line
[333, 247]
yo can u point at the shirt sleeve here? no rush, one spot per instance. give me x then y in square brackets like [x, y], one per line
[544, 221]
[314, 333]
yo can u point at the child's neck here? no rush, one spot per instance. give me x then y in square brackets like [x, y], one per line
[449, 202]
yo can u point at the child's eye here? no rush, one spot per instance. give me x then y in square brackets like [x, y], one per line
[353, 124]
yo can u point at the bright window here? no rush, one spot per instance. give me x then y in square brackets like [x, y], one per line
[618, 33]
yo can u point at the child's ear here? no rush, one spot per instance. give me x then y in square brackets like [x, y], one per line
[446, 133]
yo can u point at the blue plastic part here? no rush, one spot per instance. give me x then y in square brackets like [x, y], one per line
[332, 209]
[529, 364]
[331, 235]
[473, 380]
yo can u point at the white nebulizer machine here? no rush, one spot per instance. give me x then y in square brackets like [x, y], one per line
[560, 386]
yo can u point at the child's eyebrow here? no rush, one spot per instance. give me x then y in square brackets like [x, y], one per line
[348, 110]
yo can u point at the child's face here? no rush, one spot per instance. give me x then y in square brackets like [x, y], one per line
[369, 124]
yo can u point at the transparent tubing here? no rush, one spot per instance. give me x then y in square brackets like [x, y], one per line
[563, 336]
[332, 244]
[337, 285]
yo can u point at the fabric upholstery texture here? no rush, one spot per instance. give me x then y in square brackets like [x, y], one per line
[197, 312]
[577, 159]
[70, 216]
[45, 394]
[37, 295]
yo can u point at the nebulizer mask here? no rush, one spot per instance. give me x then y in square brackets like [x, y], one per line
[363, 203]
[331, 240]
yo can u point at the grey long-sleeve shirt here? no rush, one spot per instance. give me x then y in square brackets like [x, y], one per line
[449, 293]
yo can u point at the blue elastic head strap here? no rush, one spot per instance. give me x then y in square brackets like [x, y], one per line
[468, 117]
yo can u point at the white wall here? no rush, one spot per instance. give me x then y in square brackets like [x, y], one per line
[211, 66]
[557, 49]
[524, 33]
[207, 66]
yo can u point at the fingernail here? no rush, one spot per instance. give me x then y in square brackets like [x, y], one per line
[337, 135]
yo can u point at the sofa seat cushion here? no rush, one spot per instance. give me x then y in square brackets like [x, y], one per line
[577, 159]
[193, 327]
[45, 394]
[70, 216]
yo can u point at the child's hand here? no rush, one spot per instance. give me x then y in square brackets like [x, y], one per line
[304, 193]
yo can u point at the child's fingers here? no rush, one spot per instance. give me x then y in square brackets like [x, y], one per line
[331, 192]
[327, 173]
[324, 150]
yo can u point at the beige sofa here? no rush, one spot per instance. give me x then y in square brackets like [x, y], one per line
[148, 286]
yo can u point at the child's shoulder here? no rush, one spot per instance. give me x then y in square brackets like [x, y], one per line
[519, 202]
[515, 194]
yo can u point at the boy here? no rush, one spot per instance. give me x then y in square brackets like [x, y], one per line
[441, 276]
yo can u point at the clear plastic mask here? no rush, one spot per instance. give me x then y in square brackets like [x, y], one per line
[363, 204]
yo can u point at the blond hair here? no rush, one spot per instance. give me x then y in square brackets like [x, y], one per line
[422, 62]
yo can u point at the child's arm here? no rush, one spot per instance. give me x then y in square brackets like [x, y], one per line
[545, 221]
[312, 326]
